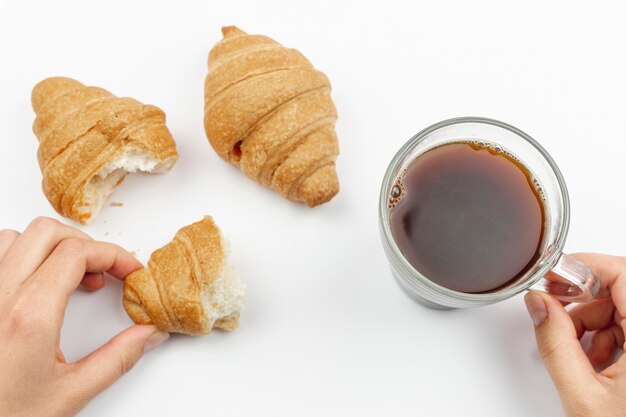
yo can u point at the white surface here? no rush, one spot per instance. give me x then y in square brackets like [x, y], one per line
[326, 331]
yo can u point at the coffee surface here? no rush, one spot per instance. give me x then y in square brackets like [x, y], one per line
[467, 217]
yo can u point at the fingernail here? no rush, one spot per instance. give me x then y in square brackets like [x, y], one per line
[155, 340]
[536, 308]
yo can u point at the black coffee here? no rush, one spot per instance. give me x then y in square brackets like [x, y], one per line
[468, 217]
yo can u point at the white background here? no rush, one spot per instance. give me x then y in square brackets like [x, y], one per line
[326, 331]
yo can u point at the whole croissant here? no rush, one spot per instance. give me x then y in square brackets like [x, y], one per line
[90, 139]
[269, 111]
[189, 286]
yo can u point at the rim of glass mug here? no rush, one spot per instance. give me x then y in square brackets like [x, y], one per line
[420, 286]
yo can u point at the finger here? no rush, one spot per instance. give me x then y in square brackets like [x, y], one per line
[32, 247]
[593, 315]
[558, 345]
[612, 273]
[92, 281]
[7, 238]
[99, 370]
[64, 269]
[604, 343]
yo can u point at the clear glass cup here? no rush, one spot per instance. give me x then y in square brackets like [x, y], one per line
[554, 272]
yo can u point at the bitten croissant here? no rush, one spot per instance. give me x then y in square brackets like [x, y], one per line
[89, 140]
[189, 286]
[269, 111]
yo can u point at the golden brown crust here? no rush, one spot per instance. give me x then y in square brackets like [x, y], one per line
[169, 292]
[269, 111]
[81, 130]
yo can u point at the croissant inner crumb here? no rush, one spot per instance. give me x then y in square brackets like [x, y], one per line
[101, 186]
[225, 295]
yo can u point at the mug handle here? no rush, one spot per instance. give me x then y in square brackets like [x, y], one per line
[570, 280]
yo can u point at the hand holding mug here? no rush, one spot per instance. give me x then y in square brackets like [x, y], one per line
[583, 390]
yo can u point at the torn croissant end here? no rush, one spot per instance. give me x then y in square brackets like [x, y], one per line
[89, 140]
[189, 286]
[269, 112]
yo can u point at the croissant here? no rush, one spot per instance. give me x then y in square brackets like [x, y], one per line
[89, 140]
[189, 286]
[269, 112]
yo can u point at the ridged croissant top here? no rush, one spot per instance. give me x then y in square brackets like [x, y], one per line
[90, 139]
[269, 111]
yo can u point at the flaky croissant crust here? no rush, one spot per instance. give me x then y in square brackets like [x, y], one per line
[269, 111]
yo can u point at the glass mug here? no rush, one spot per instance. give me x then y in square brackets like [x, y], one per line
[554, 272]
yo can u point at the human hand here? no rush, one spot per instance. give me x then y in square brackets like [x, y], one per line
[39, 269]
[584, 391]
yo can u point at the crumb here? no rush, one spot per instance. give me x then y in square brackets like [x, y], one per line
[132, 252]
[106, 233]
[117, 204]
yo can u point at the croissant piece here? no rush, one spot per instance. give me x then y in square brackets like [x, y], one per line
[89, 140]
[269, 112]
[189, 285]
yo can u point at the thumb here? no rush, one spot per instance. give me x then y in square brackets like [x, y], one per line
[558, 344]
[97, 371]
